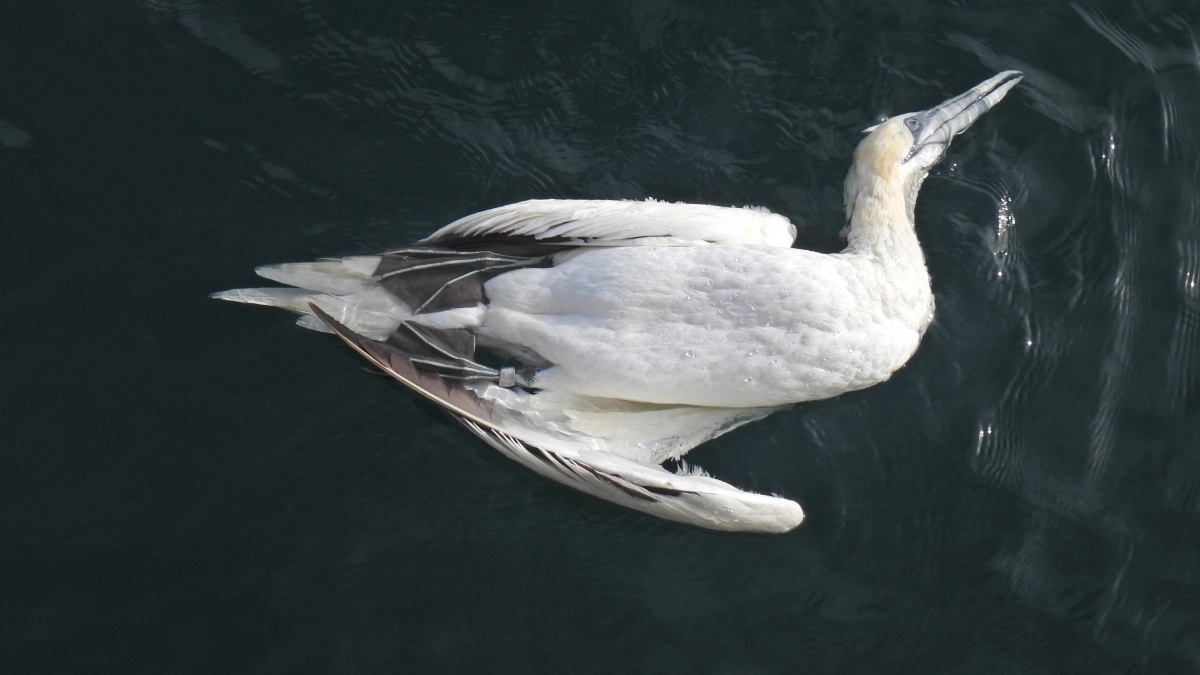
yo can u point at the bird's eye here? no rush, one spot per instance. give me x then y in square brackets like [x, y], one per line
[913, 124]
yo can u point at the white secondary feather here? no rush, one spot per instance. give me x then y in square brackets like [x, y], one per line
[691, 498]
[618, 223]
[642, 432]
[611, 449]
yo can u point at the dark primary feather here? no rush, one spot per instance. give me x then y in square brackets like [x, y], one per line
[436, 278]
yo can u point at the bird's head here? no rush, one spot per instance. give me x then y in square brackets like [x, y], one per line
[899, 152]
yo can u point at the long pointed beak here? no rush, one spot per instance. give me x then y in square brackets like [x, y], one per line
[941, 123]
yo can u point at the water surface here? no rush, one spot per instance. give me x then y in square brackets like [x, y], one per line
[194, 487]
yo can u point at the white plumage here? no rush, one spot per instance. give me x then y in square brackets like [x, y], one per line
[613, 223]
[734, 326]
[642, 329]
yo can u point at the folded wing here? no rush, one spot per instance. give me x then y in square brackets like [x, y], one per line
[619, 223]
[607, 449]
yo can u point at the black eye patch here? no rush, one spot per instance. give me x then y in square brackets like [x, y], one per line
[913, 124]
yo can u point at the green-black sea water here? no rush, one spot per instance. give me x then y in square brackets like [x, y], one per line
[189, 486]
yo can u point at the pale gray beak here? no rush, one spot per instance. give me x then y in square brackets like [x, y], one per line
[938, 125]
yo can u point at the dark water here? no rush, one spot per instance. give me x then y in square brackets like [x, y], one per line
[194, 487]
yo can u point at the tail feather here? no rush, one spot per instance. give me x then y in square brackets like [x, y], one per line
[343, 288]
[336, 277]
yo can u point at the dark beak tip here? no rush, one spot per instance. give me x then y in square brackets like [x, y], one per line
[1013, 76]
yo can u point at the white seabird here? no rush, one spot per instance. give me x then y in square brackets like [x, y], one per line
[638, 330]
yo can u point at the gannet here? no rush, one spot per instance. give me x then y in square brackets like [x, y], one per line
[623, 334]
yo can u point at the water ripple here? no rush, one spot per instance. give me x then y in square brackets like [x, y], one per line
[1030, 480]
[1124, 319]
[1151, 57]
[1183, 356]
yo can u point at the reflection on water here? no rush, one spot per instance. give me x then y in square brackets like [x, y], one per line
[207, 489]
[1107, 531]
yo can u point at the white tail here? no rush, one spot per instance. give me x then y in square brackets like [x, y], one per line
[342, 287]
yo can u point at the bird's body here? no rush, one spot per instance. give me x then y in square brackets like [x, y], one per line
[735, 326]
[641, 329]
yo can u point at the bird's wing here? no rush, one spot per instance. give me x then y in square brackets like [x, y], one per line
[572, 222]
[608, 450]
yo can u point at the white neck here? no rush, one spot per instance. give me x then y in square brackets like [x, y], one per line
[881, 217]
[882, 231]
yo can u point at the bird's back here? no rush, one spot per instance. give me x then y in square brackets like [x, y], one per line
[710, 325]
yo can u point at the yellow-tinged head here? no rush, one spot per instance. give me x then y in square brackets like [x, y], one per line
[894, 158]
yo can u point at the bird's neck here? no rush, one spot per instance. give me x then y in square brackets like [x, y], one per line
[882, 233]
[881, 219]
